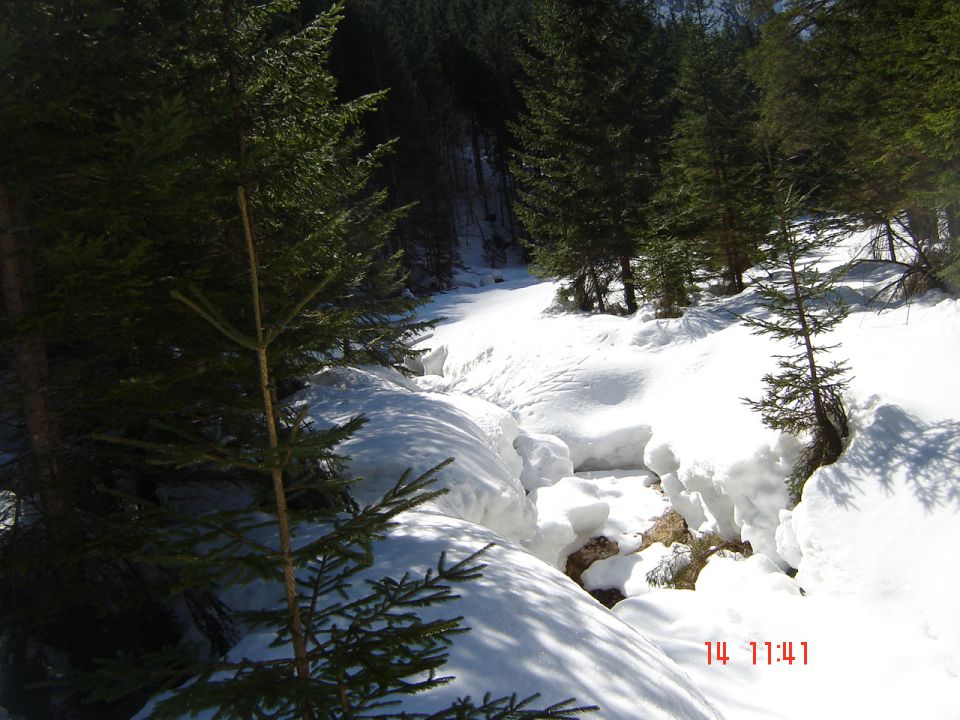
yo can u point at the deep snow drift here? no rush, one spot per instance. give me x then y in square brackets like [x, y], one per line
[870, 538]
[561, 425]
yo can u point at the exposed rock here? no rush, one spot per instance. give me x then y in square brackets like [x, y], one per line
[608, 597]
[668, 529]
[597, 548]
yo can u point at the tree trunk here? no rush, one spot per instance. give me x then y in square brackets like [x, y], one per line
[952, 214]
[580, 296]
[922, 226]
[268, 391]
[891, 245]
[629, 292]
[297, 633]
[31, 363]
[595, 279]
[506, 183]
[478, 166]
[827, 431]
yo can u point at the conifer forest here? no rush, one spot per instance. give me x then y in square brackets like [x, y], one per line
[479, 359]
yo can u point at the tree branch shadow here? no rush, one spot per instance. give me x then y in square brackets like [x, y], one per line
[898, 448]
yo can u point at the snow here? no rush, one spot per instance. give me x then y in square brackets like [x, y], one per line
[870, 537]
[534, 630]
[410, 428]
[566, 426]
[628, 573]
[862, 661]
[620, 506]
[531, 630]
[628, 393]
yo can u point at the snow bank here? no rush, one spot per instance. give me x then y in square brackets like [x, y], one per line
[620, 506]
[536, 631]
[871, 537]
[880, 526]
[532, 630]
[863, 659]
[667, 394]
[630, 393]
[409, 428]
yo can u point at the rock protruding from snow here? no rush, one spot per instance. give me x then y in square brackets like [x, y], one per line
[618, 505]
[628, 573]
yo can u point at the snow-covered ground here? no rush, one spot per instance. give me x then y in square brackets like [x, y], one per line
[563, 423]
[870, 539]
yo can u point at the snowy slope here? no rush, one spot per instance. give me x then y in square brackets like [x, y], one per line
[630, 392]
[408, 428]
[531, 630]
[561, 423]
[871, 536]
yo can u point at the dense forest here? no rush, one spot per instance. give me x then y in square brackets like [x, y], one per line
[202, 204]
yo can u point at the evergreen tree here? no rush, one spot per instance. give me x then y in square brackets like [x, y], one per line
[804, 397]
[130, 128]
[100, 189]
[402, 47]
[134, 127]
[449, 68]
[712, 200]
[668, 259]
[583, 164]
[487, 36]
[856, 91]
[344, 654]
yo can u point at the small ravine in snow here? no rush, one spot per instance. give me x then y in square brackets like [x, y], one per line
[588, 390]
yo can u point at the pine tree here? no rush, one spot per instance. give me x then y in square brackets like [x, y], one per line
[134, 126]
[402, 48]
[804, 397]
[713, 198]
[485, 65]
[130, 128]
[583, 167]
[858, 92]
[347, 654]
[96, 180]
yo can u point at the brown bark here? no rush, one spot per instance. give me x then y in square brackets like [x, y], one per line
[891, 246]
[297, 633]
[595, 279]
[629, 292]
[268, 392]
[828, 432]
[30, 355]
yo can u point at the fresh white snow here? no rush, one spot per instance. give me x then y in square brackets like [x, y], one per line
[871, 537]
[561, 425]
[531, 630]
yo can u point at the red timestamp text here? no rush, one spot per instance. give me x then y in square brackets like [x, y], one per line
[769, 653]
